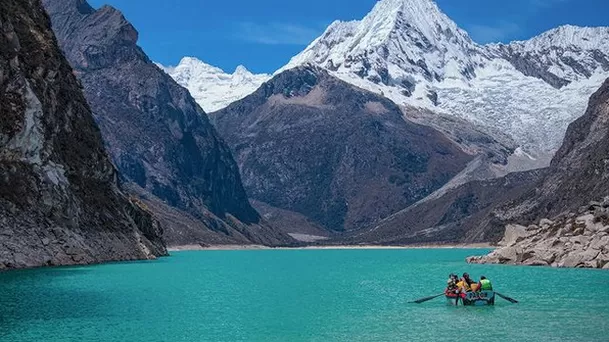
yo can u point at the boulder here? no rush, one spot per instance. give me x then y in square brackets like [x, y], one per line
[572, 260]
[513, 233]
[508, 255]
[532, 227]
[600, 243]
[602, 260]
[585, 219]
[601, 214]
[581, 240]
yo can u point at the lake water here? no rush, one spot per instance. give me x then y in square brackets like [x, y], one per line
[298, 295]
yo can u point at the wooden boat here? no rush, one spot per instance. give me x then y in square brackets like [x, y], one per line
[480, 298]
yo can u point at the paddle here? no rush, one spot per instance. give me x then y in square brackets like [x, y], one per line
[511, 300]
[419, 301]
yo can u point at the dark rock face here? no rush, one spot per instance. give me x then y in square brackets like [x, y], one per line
[159, 138]
[344, 157]
[540, 63]
[463, 214]
[530, 65]
[59, 199]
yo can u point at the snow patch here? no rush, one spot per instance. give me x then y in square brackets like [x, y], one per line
[211, 87]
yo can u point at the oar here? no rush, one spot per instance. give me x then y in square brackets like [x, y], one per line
[419, 301]
[511, 300]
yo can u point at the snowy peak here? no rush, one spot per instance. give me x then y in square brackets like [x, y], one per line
[560, 56]
[211, 87]
[569, 36]
[421, 15]
[400, 43]
[412, 53]
[242, 71]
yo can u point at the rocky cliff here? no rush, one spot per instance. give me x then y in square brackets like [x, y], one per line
[159, 138]
[59, 199]
[342, 156]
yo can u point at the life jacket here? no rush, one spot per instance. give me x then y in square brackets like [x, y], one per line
[486, 285]
[463, 285]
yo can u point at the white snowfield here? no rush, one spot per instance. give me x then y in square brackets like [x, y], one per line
[211, 87]
[412, 53]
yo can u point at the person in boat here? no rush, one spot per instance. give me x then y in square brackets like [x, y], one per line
[451, 284]
[485, 284]
[465, 284]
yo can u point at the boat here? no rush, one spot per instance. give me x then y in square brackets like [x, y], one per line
[478, 298]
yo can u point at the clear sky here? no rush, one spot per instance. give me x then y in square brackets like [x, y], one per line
[264, 34]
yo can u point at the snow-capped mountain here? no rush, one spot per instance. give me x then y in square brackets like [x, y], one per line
[211, 87]
[412, 53]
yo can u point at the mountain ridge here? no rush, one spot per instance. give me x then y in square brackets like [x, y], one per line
[211, 87]
[429, 62]
[160, 139]
[412, 53]
[310, 143]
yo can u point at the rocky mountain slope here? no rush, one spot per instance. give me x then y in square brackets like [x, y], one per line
[159, 138]
[463, 214]
[479, 210]
[211, 87]
[412, 53]
[59, 199]
[342, 156]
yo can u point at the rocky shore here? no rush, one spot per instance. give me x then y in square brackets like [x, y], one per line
[570, 240]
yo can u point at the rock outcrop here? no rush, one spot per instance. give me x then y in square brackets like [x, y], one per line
[344, 157]
[159, 138]
[60, 202]
[570, 240]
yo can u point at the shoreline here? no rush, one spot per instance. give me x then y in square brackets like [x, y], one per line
[345, 247]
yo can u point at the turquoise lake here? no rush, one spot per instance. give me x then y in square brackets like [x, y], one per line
[298, 295]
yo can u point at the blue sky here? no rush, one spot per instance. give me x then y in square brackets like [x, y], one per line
[264, 34]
